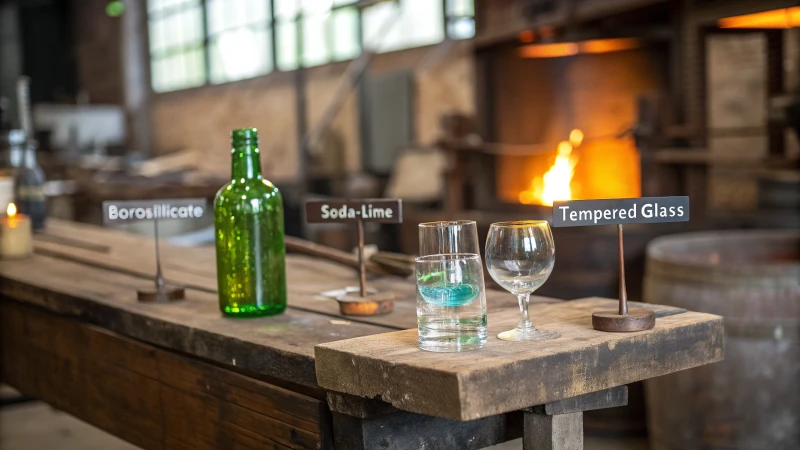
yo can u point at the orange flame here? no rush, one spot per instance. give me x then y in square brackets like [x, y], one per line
[555, 184]
[11, 210]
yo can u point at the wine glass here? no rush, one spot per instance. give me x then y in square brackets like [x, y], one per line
[520, 256]
[448, 237]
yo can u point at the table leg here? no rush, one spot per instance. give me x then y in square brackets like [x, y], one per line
[558, 432]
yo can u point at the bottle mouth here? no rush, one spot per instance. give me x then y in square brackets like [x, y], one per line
[244, 136]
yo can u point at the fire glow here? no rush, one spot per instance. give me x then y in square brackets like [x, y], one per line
[556, 183]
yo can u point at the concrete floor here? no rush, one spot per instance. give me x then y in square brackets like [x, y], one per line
[37, 426]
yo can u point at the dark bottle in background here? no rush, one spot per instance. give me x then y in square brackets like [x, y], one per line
[29, 188]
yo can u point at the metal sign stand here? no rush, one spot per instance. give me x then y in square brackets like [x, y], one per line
[623, 320]
[358, 301]
[619, 211]
[162, 292]
[364, 304]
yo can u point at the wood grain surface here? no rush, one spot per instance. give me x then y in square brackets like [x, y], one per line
[153, 398]
[195, 267]
[507, 376]
[92, 273]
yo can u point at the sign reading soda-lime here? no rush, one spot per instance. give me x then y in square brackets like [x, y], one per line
[382, 210]
[618, 211]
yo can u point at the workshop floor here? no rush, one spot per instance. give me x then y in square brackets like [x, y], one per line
[36, 426]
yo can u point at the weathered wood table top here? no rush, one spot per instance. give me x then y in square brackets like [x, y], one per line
[508, 376]
[92, 273]
[181, 376]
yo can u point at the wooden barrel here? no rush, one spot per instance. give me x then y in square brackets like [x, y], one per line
[751, 400]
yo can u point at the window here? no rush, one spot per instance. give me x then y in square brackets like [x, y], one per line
[239, 39]
[460, 18]
[194, 42]
[177, 56]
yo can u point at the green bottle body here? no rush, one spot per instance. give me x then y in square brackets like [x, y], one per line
[248, 224]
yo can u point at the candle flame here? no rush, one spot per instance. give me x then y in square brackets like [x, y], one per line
[11, 210]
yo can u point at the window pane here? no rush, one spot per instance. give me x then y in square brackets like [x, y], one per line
[286, 36]
[286, 9]
[178, 71]
[460, 8]
[345, 34]
[315, 40]
[239, 54]
[156, 5]
[228, 14]
[180, 29]
[414, 23]
[463, 28]
[315, 6]
[195, 62]
[158, 38]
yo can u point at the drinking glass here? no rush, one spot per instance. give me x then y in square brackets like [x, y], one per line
[451, 302]
[520, 256]
[447, 237]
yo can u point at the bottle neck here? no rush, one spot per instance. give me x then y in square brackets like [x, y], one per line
[245, 162]
[29, 160]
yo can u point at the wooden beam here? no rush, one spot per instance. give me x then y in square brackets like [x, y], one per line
[559, 432]
[279, 347]
[405, 430]
[608, 398]
[464, 386]
[148, 396]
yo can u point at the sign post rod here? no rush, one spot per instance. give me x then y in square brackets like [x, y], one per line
[623, 293]
[362, 264]
[377, 210]
[619, 211]
[159, 274]
[125, 211]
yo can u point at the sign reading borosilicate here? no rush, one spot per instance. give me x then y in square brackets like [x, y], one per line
[132, 210]
[383, 210]
[578, 213]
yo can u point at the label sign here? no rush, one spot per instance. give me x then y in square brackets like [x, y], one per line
[579, 213]
[382, 210]
[134, 210]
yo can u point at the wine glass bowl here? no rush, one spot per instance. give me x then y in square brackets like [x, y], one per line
[520, 256]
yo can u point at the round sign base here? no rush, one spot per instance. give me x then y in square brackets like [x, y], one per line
[371, 305]
[166, 294]
[635, 320]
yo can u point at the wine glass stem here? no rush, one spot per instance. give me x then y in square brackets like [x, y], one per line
[524, 321]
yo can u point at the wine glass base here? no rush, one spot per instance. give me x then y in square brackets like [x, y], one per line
[519, 334]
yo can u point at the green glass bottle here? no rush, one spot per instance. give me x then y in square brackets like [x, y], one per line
[248, 223]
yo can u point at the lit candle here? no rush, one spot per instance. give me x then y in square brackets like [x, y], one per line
[15, 234]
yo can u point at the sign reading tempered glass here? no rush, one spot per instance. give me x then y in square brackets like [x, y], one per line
[617, 211]
[620, 211]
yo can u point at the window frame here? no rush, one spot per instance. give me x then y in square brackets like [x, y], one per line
[271, 24]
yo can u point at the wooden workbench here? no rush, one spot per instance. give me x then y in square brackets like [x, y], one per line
[180, 376]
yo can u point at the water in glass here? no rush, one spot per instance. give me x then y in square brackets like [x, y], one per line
[451, 302]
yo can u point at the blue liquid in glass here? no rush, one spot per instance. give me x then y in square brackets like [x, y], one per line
[446, 294]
